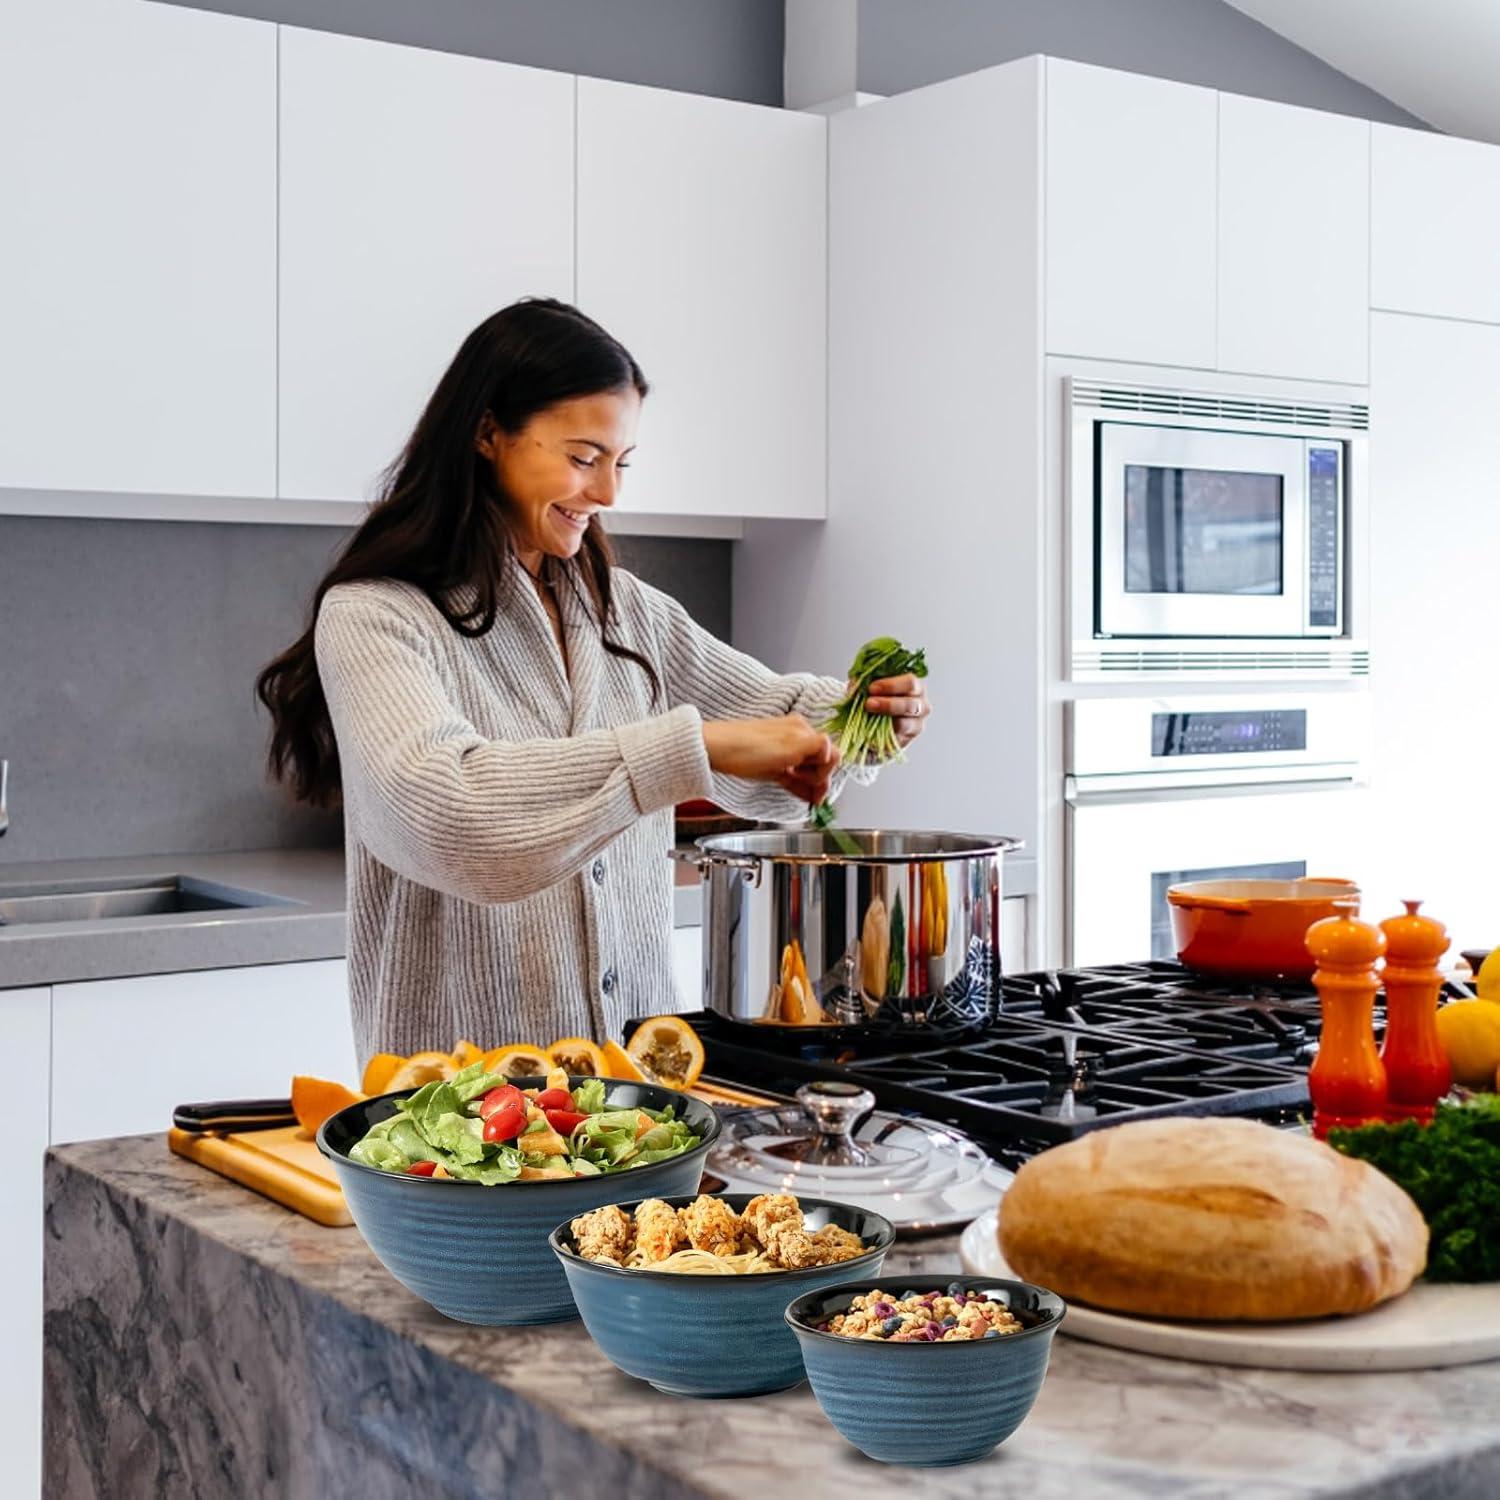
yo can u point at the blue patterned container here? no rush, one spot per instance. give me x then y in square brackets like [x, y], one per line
[933, 1403]
[480, 1254]
[711, 1335]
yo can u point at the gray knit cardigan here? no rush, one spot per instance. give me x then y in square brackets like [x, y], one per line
[507, 822]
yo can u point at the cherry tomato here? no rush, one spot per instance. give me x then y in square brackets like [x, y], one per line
[499, 1097]
[553, 1099]
[506, 1123]
[564, 1121]
[421, 1169]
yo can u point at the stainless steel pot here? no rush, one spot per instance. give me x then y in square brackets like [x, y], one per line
[799, 930]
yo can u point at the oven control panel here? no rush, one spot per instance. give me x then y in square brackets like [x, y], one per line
[1245, 731]
[1122, 744]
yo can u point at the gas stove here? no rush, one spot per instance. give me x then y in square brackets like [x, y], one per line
[1069, 1051]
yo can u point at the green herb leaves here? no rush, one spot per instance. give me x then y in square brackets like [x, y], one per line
[1451, 1169]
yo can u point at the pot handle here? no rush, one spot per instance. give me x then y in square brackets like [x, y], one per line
[701, 860]
[1234, 906]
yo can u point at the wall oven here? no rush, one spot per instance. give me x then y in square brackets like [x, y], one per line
[1215, 535]
[1163, 790]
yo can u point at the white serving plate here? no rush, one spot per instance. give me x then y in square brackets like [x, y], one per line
[1429, 1327]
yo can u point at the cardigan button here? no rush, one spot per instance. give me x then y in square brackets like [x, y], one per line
[607, 984]
[598, 872]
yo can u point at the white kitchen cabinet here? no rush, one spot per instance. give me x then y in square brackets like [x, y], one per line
[125, 1051]
[1434, 224]
[420, 192]
[702, 247]
[687, 967]
[1294, 241]
[1131, 168]
[24, 1045]
[1435, 636]
[138, 255]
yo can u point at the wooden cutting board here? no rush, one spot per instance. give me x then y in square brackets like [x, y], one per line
[284, 1164]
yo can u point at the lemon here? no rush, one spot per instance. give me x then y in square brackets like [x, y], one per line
[1487, 980]
[1469, 1031]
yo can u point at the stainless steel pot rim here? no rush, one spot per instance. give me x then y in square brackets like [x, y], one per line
[816, 846]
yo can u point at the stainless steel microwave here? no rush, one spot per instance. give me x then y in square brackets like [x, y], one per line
[1215, 535]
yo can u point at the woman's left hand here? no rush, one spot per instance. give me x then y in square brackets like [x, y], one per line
[905, 700]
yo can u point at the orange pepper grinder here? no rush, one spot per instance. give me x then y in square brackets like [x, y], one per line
[1417, 1074]
[1347, 1078]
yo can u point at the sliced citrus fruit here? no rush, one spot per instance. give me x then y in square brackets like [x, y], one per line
[579, 1056]
[620, 1064]
[518, 1061]
[669, 1049]
[316, 1099]
[420, 1068]
[463, 1054]
[379, 1071]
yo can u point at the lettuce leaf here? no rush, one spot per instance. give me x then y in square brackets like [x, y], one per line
[590, 1097]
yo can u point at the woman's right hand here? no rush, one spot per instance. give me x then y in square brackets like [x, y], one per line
[788, 751]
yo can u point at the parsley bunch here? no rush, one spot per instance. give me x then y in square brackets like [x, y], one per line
[1451, 1169]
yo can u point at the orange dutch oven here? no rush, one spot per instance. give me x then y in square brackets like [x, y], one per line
[1254, 929]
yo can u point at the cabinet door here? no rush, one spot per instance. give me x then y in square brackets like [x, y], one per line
[1435, 224]
[420, 192]
[24, 1043]
[138, 254]
[1294, 241]
[702, 247]
[1130, 221]
[125, 1051]
[1435, 636]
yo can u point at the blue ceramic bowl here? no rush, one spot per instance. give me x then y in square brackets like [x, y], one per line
[927, 1403]
[479, 1254]
[710, 1335]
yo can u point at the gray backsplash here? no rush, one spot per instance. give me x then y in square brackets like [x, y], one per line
[128, 653]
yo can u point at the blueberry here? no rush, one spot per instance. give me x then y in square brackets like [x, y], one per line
[891, 1325]
[950, 1321]
[908, 1297]
[992, 1333]
[955, 1288]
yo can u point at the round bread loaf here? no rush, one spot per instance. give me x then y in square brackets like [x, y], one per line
[1213, 1219]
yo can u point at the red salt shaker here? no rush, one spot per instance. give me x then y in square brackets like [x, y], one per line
[1417, 1074]
[1347, 1078]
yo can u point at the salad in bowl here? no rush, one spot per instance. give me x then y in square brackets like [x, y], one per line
[483, 1127]
[455, 1186]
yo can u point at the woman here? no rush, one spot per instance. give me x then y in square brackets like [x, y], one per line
[509, 720]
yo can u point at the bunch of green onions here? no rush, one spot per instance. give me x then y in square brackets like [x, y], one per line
[864, 738]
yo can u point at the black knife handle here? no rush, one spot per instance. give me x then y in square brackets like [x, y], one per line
[234, 1115]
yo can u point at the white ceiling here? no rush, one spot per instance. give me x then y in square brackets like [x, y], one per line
[1439, 59]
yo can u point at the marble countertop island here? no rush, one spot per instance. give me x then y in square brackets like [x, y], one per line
[201, 1341]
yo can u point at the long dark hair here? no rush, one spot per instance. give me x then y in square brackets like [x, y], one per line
[440, 522]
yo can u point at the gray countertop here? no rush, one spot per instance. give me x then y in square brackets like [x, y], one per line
[220, 1344]
[307, 921]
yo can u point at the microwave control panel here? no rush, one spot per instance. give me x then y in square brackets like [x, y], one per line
[1324, 534]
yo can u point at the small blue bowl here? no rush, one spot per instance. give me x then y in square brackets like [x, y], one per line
[479, 1254]
[710, 1335]
[927, 1404]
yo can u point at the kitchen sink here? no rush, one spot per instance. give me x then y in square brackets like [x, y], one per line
[96, 901]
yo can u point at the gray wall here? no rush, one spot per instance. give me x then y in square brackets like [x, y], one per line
[904, 44]
[128, 652]
[731, 48]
